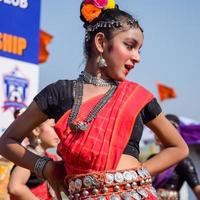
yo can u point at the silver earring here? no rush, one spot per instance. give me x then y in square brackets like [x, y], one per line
[38, 141]
[102, 62]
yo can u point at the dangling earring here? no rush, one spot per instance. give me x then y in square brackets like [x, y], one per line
[38, 141]
[102, 62]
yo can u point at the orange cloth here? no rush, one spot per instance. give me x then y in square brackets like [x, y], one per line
[165, 92]
[5, 167]
[45, 39]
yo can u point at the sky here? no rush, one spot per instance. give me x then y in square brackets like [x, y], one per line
[170, 53]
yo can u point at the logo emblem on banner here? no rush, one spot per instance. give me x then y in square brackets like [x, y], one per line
[15, 90]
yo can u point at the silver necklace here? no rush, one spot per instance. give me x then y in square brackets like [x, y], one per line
[84, 125]
[88, 78]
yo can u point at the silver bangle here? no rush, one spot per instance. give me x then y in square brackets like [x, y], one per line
[39, 166]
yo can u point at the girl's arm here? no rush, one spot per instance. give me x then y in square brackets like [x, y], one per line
[11, 148]
[175, 147]
[10, 142]
[17, 184]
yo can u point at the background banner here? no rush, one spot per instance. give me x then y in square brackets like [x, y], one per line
[18, 86]
[19, 30]
[19, 49]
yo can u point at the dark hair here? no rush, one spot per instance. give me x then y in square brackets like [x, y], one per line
[16, 113]
[173, 119]
[107, 15]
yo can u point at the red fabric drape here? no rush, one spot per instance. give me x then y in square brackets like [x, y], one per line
[100, 147]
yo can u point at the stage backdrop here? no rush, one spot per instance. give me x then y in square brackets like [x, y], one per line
[19, 45]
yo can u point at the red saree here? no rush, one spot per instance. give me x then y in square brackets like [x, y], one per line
[101, 146]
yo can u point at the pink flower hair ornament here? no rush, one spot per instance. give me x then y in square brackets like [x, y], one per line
[92, 8]
[98, 3]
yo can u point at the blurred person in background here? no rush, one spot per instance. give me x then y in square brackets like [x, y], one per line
[24, 184]
[169, 182]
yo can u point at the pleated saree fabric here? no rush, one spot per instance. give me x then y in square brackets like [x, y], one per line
[101, 146]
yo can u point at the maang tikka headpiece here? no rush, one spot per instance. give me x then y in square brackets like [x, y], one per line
[108, 24]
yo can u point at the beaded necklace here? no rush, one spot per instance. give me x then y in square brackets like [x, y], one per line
[85, 77]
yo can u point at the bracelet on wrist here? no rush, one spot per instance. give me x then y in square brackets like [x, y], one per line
[40, 165]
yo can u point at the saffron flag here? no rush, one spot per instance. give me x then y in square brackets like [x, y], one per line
[165, 92]
[45, 39]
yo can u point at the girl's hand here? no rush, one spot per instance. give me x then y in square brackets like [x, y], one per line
[55, 173]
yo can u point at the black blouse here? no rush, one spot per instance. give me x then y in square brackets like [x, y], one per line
[55, 99]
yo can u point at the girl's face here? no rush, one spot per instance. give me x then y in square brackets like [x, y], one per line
[123, 52]
[47, 134]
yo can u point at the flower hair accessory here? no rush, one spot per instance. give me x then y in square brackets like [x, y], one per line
[92, 8]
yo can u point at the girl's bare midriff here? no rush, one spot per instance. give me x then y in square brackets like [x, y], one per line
[127, 162]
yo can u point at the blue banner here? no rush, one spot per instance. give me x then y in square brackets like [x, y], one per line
[19, 29]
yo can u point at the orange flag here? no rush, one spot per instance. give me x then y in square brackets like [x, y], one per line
[165, 92]
[45, 39]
